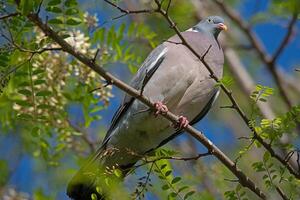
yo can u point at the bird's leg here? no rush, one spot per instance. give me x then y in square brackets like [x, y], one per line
[160, 108]
[183, 122]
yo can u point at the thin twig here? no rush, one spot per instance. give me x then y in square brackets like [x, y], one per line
[39, 7]
[84, 136]
[168, 6]
[146, 182]
[146, 161]
[286, 39]
[229, 106]
[281, 193]
[9, 15]
[38, 51]
[96, 54]
[231, 180]
[127, 12]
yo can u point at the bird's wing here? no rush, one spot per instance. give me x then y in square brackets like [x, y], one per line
[145, 72]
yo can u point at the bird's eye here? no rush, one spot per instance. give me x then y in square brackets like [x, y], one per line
[209, 20]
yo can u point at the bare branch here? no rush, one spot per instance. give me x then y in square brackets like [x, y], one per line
[146, 161]
[144, 185]
[127, 12]
[286, 39]
[281, 193]
[9, 15]
[231, 180]
[39, 7]
[14, 69]
[168, 6]
[229, 106]
[38, 51]
[84, 136]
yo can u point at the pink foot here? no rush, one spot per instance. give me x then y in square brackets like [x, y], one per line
[183, 122]
[160, 108]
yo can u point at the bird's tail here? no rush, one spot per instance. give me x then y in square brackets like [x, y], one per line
[85, 183]
[92, 178]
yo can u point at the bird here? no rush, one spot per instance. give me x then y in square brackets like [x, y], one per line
[175, 80]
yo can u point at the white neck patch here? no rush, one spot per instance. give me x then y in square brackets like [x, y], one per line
[192, 30]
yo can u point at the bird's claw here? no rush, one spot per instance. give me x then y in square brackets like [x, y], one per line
[160, 108]
[183, 122]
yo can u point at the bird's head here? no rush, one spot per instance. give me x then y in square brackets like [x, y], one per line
[212, 25]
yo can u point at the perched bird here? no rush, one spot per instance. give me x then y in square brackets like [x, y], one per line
[173, 78]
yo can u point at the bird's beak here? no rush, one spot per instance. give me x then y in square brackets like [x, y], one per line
[222, 26]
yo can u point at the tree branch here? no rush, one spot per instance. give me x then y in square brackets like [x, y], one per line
[263, 55]
[146, 161]
[127, 12]
[244, 180]
[9, 15]
[286, 39]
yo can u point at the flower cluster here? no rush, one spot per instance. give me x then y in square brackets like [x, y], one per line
[12, 194]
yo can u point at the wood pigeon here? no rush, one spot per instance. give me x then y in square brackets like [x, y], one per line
[173, 78]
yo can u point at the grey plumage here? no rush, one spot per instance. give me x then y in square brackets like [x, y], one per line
[173, 75]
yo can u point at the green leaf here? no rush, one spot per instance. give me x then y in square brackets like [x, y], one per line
[55, 21]
[38, 71]
[25, 116]
[43, 93]
[39, 82]
[118, 173]
[35, 132]
[183, 188]
[227, 81]
[73, 21]
[165, 187]
[265, 176]
[262, 99]
[238, 187]
[54, 2]
[54, 9]
[163, 166]
[173, 194]
[24, 84]
[187, 195]
[161, 177]
[168, 173]
[176, 180]
[26, 6]
[76, 133]
[44, 106]
[71, 11]
[25, 92]
[23, 103]
[70, 3]
[94, 196]
[266, 156]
